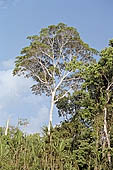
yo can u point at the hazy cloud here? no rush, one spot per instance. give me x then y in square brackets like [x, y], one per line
[6, 3]
[17, 101]
[7, 64]
[38, 121]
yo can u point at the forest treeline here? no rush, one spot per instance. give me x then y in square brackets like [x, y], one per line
[64, 68]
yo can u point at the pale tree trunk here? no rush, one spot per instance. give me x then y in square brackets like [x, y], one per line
[7, 126]
[106, 135]
[53, 101]
[51, 112]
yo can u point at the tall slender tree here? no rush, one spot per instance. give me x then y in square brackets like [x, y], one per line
[48, 61]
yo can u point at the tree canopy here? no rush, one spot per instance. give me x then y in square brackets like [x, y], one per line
[53, 59]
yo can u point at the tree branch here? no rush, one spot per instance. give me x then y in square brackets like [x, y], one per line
[45, 68]
[63, 95]
[60, 82]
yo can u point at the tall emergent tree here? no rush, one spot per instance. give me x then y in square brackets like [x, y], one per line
[48, 61]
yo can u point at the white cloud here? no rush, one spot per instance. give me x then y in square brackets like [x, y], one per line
[17, 101]
[38, 121]
[11, 86]
[7, 64]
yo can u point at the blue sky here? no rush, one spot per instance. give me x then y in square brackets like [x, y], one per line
[20, 18]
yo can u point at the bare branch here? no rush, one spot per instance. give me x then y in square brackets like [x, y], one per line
[45, 68]
[109, 86]
[63, 95]
[36, 75]
[43, 52]
[60, 82]
[61, 51]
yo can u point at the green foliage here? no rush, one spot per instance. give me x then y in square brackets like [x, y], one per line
[53, 60]
[31, 152]
[58, 60]
[89, 105]
[50, 54]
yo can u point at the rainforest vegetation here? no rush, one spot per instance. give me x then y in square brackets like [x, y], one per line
[65, 69]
